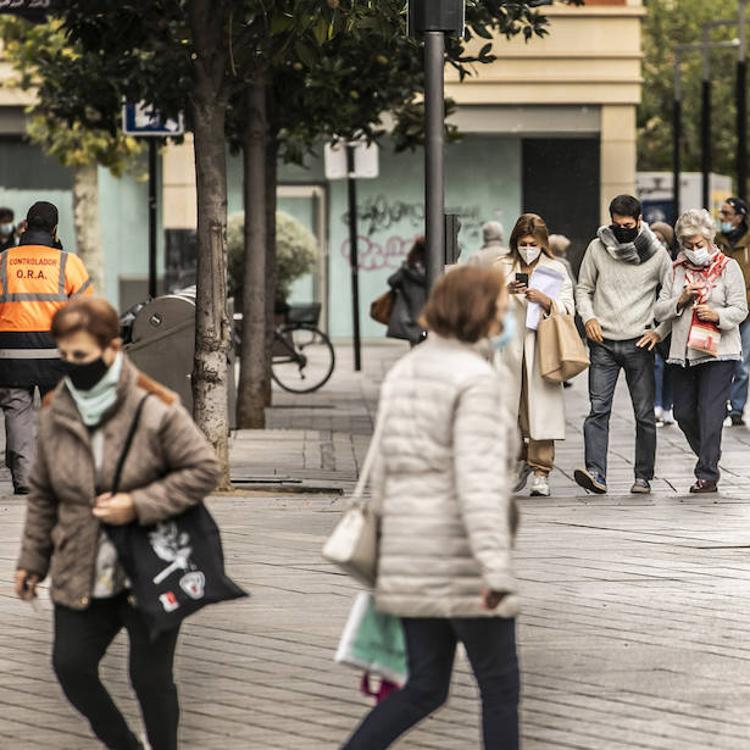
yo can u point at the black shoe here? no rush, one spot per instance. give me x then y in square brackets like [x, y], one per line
[703, 487]
[595, 483]
[737, 420]
[21, 490]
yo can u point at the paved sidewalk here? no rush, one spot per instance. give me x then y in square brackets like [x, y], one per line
[635, 609]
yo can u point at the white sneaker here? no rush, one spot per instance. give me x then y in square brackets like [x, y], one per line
[667, 417]
[658, 413]
[539, 486]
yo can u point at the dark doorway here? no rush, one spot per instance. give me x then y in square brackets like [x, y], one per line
[561, 183]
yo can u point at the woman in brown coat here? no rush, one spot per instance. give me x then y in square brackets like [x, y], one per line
[171, 466]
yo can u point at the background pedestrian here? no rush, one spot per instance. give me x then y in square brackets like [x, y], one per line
[493, 245]
[621, 271]
[704, 299]
[539, 404]
[733, 240]
[443, 492]
[662, 370]
[37, 279]
[8, 233]
[409, 284]
[171, 466]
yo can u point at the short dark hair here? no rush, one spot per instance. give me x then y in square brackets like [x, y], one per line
[739, 206]
[418, 253]
[463, 303]
[91, 315]
[626, 205]
[6, 213]
[43, 215]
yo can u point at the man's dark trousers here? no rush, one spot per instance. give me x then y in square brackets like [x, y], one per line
[607, 359]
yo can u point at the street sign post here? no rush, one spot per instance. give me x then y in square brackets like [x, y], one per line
[141, 120]
[351, 161]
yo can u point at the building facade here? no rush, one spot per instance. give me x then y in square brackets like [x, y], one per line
[549, 127]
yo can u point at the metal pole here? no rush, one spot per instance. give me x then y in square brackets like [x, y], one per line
[742, 104]
[152, 153]
[434, 153]
[706, 122]
[703, 47]
[353, 255]
[676, 135]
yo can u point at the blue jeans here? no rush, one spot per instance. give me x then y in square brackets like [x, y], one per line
[663, 375]
[431, 648]
[738, 397]
[607, 359]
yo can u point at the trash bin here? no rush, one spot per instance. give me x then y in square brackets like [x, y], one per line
[162, 344]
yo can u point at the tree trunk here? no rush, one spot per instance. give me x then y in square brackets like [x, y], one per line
[252, 402]
[87, 225]
[209, 106]
[272, 155]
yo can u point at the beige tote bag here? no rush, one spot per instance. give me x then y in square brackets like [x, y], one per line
[562, 354]
[353, 544]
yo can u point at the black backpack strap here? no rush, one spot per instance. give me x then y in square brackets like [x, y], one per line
[127, 445]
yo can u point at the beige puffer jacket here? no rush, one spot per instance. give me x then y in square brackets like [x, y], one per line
[442, 485]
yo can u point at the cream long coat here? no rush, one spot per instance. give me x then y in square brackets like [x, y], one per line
[546, 401]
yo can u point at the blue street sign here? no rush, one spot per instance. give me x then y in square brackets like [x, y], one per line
[143, 121]
[35, 11]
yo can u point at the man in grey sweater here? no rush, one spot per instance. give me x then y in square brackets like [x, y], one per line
[617, 286]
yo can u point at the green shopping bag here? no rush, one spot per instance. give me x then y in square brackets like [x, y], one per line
[373, 641]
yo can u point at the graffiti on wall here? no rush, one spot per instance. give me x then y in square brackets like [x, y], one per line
[378, 215]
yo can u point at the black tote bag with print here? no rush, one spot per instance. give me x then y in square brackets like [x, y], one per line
[175, 567]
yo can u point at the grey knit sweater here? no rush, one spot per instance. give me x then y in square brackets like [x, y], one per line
[621, 296]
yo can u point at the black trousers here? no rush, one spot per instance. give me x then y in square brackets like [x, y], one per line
[81, 640]
[700, 407]
[431, 646]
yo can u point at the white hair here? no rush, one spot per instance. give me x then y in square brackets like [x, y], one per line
[493, 230]
[696, 221]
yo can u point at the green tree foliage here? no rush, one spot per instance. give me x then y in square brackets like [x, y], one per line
[296, 253]
[668, 23]
[42, 56]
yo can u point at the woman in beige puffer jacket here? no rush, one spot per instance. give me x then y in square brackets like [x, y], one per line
[442, 488]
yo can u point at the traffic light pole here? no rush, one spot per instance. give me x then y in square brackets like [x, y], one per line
[434, 60]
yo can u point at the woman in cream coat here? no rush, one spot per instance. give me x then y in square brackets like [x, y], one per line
[443, 493]
[541, 410]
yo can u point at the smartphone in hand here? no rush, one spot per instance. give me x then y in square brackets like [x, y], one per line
[522, 278]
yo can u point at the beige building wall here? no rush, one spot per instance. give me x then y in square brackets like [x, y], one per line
[180, 209]
[591, 59]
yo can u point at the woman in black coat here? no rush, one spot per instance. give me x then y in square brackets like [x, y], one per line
[409, 284]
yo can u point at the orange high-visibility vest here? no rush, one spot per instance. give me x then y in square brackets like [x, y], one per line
[35, 282]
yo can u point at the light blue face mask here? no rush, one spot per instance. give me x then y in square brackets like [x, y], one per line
[499, 342]
[726, 227]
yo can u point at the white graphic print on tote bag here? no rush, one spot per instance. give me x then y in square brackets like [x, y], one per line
[174, 548]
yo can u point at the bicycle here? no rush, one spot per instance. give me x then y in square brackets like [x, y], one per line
[302, 357]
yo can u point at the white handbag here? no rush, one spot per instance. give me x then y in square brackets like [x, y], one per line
[353, 544]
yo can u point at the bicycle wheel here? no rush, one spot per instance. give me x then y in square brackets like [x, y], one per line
[303, 360]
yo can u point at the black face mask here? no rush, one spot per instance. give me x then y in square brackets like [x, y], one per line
[624, 234]
[85, 377]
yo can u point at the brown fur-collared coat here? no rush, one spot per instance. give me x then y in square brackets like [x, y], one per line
[170, 467]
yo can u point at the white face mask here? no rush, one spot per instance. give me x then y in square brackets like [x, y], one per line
[529, 253]
[699, 256]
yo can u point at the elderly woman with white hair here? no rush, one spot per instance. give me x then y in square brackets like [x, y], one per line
[704, 298]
